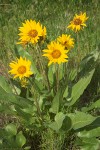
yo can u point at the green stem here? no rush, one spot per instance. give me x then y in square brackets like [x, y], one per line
[57, 77]
[36, 103]
[45, 75]
[78, 49]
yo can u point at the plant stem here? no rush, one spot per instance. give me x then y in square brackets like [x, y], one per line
[45, 75]
[78, 49]
[57, 77]
[36, 103]
[39, 111]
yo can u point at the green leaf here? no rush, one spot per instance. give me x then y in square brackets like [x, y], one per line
[11, 129]
[55, 103]
[89, 61]
[38, 86]
[72, 74]
[5, 85]
[90, 147]
[50, 74]
[93, 106]
[20, 139]
[14, 99]
[58, 121]
[87, 143]
[90, 144]
[67, 124]
[54, 126]
[27, 148]
[61, 72]
[91, 130]
[22, 113]
[80, 119]
[79, 87]
[62, 122]
[8, 109]
[16, 90]
[66, 93]
[90, 133]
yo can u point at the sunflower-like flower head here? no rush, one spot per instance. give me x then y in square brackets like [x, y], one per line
[20, 68]
[56, 53]
[78, 22]
[66, 41]
[31, 32]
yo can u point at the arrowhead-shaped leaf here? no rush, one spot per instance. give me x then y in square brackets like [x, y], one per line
[79, 87]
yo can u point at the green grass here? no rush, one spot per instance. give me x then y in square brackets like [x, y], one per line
[55, 15]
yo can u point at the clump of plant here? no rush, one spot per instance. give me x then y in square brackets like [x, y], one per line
[43, 93]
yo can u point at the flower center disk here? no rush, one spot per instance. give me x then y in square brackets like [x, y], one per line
[77, 21]
[33, 33]
[56, 54]
[21, 70]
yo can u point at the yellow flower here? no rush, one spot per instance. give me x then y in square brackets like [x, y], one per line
[31, 32]
[56, 53]
[78, 22]
[20, 68]
[66, 41]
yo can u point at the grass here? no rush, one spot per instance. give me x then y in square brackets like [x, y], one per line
[55, 15]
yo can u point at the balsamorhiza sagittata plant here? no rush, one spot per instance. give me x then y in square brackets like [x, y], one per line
[78, 22]
[50, 97]
[31, 32]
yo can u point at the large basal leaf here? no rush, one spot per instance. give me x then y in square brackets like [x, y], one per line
[14, 99]
[79, 87]
[80, 119]
[5, 85]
